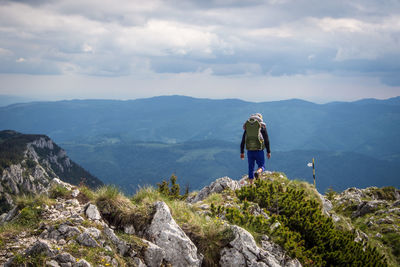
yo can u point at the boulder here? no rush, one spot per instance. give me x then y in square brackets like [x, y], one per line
[92, 212]
[93, 232]
[65, 257]
[153, 254]
[10, 215]
[68, 231]
[129, 229]
[217, 186]
[75, 193]
[87, 240]
[243, 251]
[40, 247]
[165, 233]
[279, 253]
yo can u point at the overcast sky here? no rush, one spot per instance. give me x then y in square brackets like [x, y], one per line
[319, 50]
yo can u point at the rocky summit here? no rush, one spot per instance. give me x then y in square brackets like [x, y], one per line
[71, 230]
[76, 226]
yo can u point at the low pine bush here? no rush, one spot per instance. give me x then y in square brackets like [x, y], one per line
[302, 230]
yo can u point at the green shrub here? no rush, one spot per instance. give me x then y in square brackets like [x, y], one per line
[393, 241]
[172, 192]
[330, 193]
[87, 192]
[304, 231]
[30, 209]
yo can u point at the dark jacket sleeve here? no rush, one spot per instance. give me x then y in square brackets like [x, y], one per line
[242, 143]
[266, 140]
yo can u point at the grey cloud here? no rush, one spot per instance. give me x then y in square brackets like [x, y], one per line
[193, 36]
[27, 2]
[29, 66]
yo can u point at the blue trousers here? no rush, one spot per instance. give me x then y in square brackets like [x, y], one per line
[254, 156]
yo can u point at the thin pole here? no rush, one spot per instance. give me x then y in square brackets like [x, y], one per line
[313, 170]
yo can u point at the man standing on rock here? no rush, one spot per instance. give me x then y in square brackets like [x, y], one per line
[255, 137]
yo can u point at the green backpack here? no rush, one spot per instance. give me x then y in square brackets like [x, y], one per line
[254, 139]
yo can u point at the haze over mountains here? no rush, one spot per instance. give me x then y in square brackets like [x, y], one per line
[139, 141]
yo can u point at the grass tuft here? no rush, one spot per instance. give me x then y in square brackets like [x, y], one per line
[118, 210]
[58, 191]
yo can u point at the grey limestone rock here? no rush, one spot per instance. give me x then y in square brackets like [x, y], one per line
[93, 232]
[129, 229]
[366, 207]
[217, 186]
[92, 212]
[232, 257]
[139, 263]
[75, 193]
[165, 233]
[326, 204]
[153, 254]
[279, 253]
[396, 203]
[65, 257]
[123, 247]
[52, 263]
[68, 231]
[350, 196]
[40, 247]
[87, 240]
[82, 263]
[10, 215]
[243, 251]
[3, 217]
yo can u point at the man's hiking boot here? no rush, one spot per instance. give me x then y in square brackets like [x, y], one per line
[258, 173]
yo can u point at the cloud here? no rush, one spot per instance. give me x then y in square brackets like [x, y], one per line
[254, 38]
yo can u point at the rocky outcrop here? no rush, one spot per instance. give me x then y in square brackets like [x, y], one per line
[243, 251]
[367, 207]
[165, 233]
[72, 228]
[66, 224]
[153, 255]
[33, 162]
[217, 186]
[17, 180]
[326, 204]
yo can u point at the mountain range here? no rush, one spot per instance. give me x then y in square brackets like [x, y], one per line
[136, 142]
